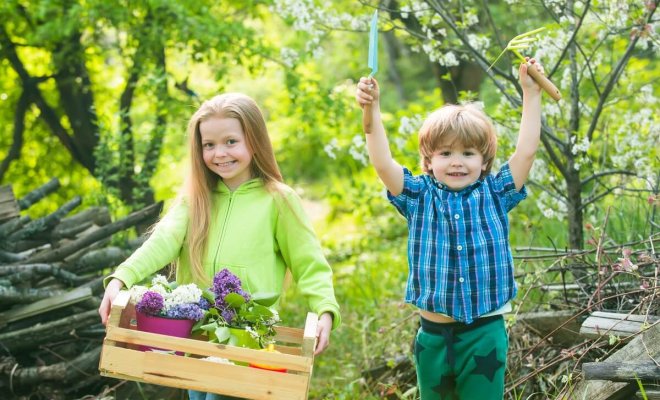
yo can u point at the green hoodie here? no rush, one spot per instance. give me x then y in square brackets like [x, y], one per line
[255, 234]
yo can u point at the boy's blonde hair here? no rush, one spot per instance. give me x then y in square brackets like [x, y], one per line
[466, 123]
[200, 181]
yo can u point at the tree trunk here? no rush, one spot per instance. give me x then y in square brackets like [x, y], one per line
[575, 214]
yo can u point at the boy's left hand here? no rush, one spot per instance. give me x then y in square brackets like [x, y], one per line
[323, 329]
[526, 81]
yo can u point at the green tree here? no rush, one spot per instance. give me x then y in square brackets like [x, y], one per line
[109, 80]
[599, 140]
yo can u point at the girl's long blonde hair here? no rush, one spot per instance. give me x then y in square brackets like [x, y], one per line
[200, 181]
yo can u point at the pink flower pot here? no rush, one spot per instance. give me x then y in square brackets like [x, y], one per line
[164, 326]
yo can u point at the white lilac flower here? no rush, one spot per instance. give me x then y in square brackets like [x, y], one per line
[136, 293]
[160, 289]
[159, 280]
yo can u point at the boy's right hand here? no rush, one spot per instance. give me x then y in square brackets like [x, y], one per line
[111, 291]
[367, 91]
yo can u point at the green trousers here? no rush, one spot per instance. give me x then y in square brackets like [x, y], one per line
[456, 361]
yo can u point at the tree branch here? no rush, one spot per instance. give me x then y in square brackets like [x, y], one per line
[14, 152]
[605, 173]
[618, 70]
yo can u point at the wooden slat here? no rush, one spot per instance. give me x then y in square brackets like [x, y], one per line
[207, 376]
[309, 337]
[208, 349]
[120, 359]
[604, 323]
[288, 335]
[640, 348]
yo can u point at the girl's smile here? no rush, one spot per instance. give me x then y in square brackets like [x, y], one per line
[225, 150]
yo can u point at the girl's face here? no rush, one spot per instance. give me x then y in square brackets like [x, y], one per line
[225, 150]
[457, 166]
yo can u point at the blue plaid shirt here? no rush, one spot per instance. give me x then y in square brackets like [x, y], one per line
[458, 244]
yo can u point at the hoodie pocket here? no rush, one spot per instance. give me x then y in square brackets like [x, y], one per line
[240, 271]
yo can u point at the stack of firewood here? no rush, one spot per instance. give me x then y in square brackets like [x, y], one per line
[51, 271]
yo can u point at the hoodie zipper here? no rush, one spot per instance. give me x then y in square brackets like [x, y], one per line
[222, 233]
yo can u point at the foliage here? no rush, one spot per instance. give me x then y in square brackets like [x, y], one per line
[110, 83]
[236, 317]
[598, 53]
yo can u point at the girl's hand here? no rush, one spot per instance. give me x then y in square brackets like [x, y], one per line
[111, 292]
[526, 81]
[367, 91]
[323, 329]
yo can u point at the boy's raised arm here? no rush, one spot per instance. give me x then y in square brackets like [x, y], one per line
[389, 171]
[529, 137]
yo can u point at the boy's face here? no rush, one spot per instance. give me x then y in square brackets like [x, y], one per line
[457, 166]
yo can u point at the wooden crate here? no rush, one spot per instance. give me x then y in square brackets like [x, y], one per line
[121, 359]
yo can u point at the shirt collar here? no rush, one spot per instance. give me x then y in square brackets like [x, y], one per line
[446, 188]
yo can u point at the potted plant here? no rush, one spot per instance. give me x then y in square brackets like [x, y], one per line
[236, 317]
[167, 308]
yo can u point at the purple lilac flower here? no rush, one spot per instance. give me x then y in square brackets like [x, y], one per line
[185, 311]
[224, 282]
[204, 304]
[151, 303]
[228, 314]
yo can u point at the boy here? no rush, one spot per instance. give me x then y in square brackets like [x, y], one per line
[460, 264]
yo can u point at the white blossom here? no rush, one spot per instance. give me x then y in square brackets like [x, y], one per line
[331, 148]
[159, 280]
[410, 125]
[289, 56]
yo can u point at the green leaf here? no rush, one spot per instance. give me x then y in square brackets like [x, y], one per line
[208, 295]
[222, 333]
[265, 299]
[234, 300]
[209, 327]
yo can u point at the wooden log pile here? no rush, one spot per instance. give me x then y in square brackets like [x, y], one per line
[51, 271]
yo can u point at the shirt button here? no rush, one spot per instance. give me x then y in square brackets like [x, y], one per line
[461, 280]
[459, 247]
[456, 216]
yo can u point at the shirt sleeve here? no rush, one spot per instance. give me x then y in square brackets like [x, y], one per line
[303, 254]
[412, 186]
[505, 187]
[162, 247]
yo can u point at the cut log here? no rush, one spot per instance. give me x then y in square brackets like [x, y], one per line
[38, 193]
[45, 223]
[649, 394]
[106, 231]
[8, 205]
[99, 259]
[10, 295]
[11, 226]
[622, 325]
[64, 372]
[44, 270]
[639, 348]
[41, 306]
[621, 371]
[71, 226]
[34, 336]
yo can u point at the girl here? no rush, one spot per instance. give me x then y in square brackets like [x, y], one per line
[234, 212]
